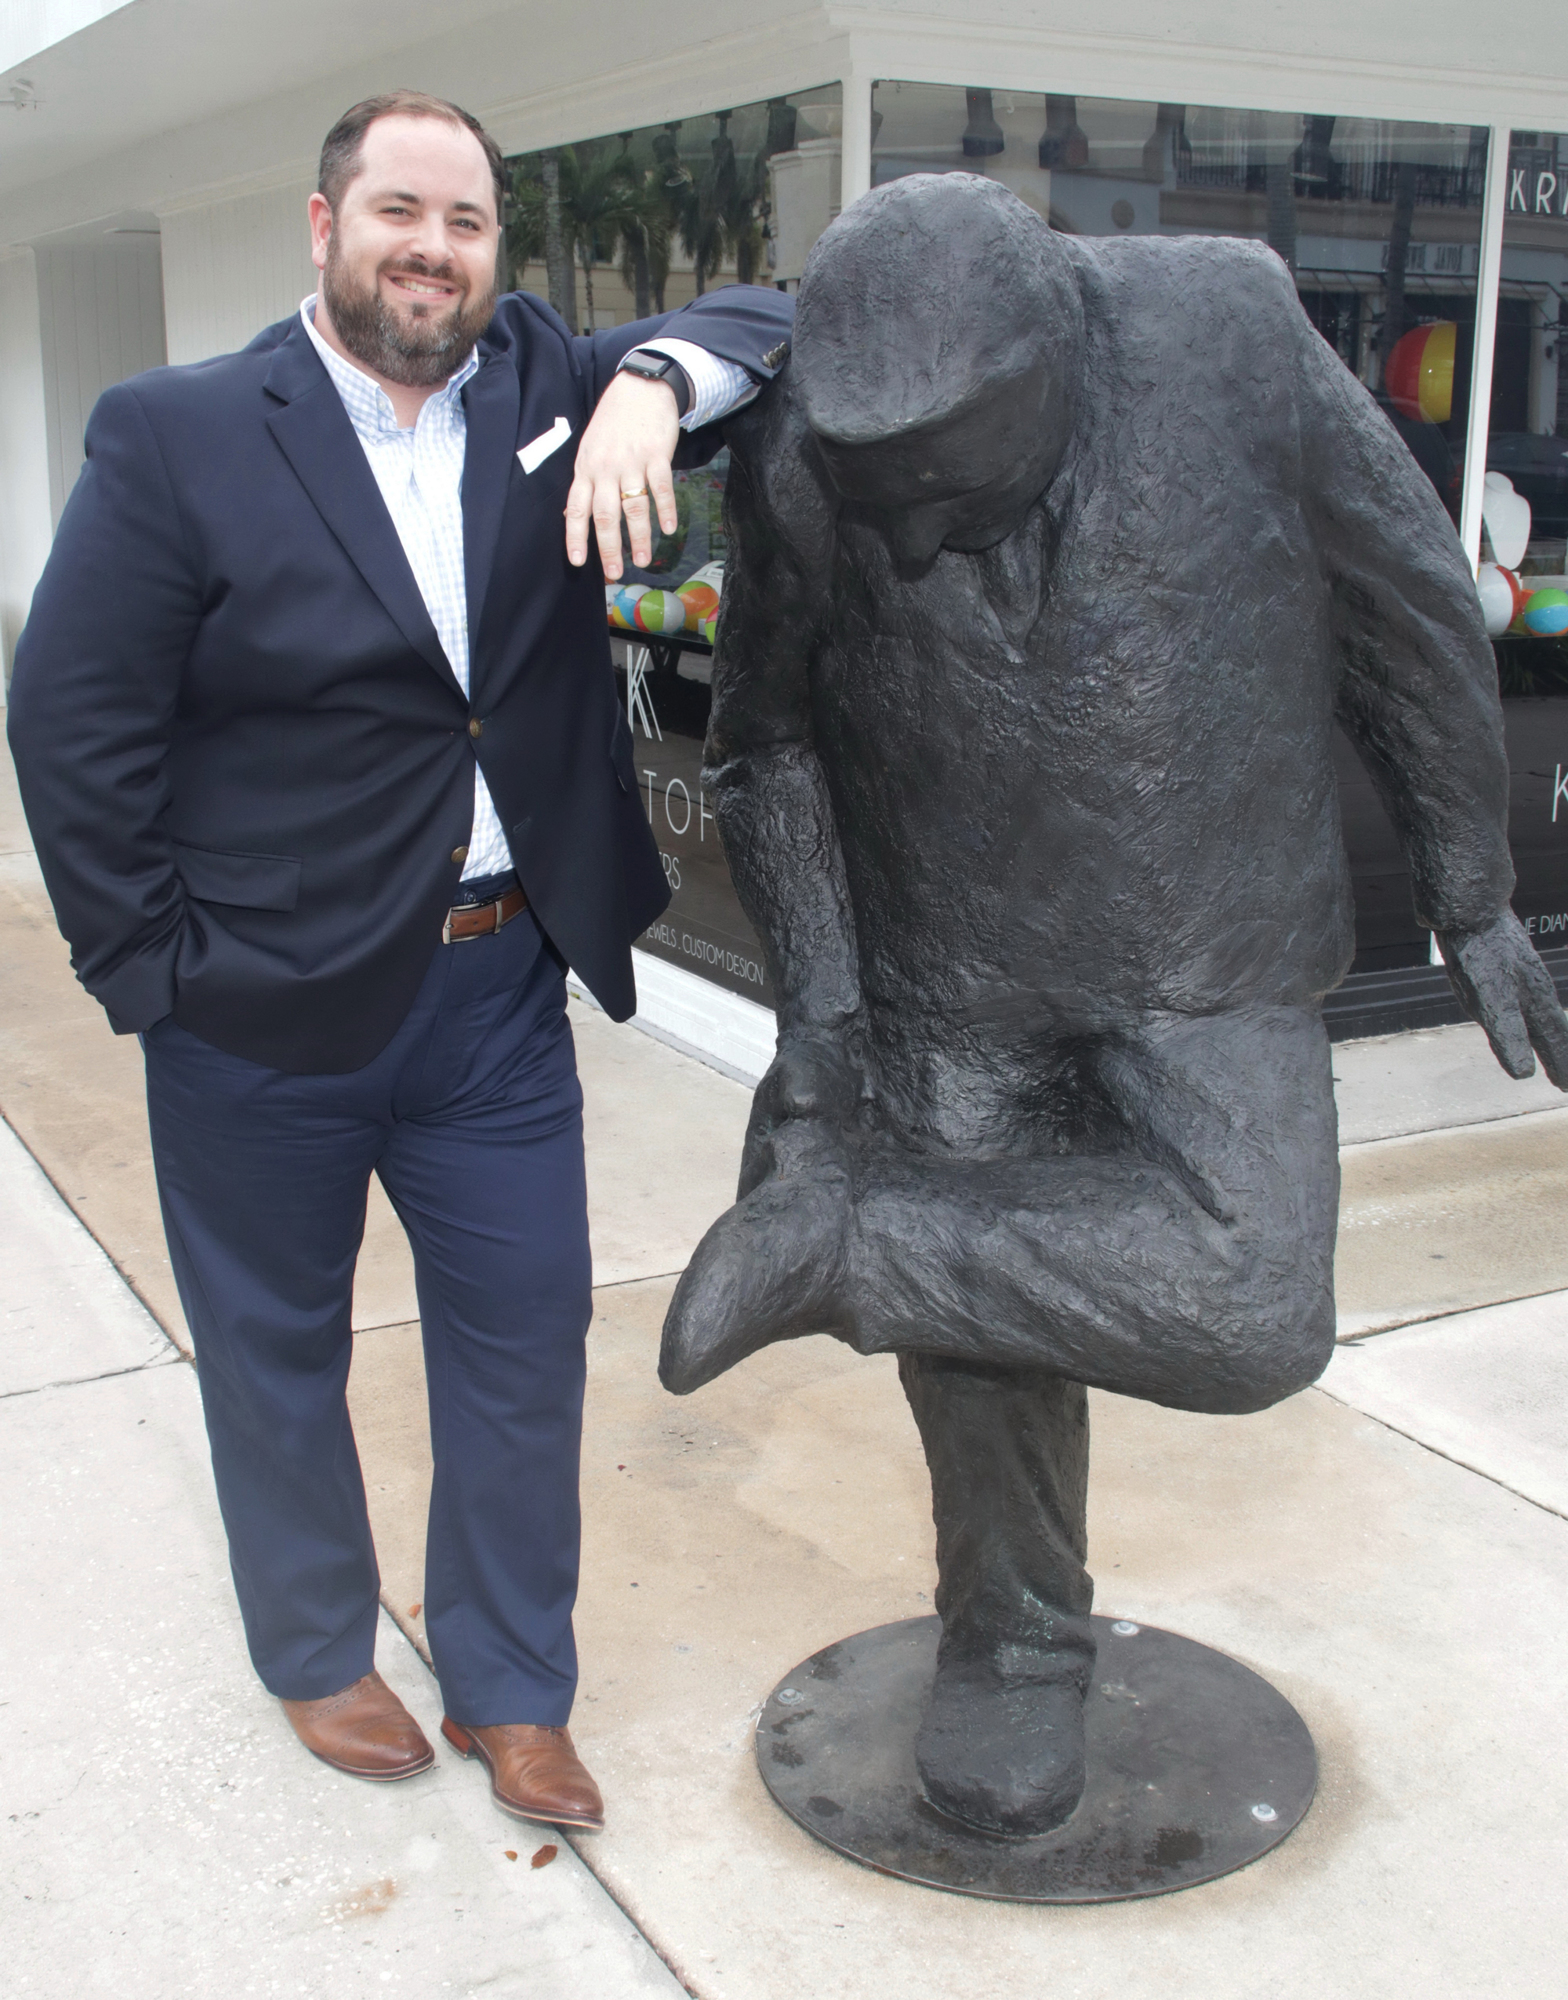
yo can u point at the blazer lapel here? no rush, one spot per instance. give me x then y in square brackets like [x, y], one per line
[491, 399]
[316, 437]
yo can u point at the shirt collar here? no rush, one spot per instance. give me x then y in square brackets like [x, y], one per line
[368, 405]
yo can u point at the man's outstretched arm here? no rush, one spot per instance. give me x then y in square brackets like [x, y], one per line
[1417, 695]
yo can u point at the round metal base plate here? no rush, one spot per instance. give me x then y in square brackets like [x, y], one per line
[1196, 1767]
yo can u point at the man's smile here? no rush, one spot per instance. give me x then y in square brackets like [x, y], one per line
[421, 287]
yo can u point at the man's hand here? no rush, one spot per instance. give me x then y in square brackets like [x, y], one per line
[622, 463]
[1502, 984]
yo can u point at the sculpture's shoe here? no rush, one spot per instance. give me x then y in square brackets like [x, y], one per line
[1004, 1756]
[771, 1268]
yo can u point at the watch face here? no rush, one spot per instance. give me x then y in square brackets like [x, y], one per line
[647, 364]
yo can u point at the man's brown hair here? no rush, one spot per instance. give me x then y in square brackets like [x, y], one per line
[340, 149]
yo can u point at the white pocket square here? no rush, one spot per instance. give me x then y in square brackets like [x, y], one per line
[532, 456]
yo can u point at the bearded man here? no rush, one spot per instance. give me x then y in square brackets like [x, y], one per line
[320, 747]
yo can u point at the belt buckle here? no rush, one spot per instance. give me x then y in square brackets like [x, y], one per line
[494, 906]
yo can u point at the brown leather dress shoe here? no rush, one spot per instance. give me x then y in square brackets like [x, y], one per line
[363, 1730]
[534, 1772]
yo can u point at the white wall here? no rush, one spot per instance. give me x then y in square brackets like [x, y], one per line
[232, 267]
[100, 314]
[74, 317]
[25, 524]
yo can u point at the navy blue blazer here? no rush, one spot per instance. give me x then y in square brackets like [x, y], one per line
[245, 759]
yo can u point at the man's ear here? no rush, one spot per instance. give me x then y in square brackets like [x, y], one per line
[319, 210]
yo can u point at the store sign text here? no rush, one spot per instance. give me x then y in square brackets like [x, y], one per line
[715, 957]
[684, 805]
[1559, 793]
[1539, 199]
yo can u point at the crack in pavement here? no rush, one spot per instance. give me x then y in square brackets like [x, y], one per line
[109, 1375]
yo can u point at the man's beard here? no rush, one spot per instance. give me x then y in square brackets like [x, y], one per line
[417, 353]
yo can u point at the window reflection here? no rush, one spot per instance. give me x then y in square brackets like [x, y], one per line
[1525, 507]
[614, 229]
[1524, 545]
[1379, 221]
[1380, 224]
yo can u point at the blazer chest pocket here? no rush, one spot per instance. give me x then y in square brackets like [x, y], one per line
[249, 881]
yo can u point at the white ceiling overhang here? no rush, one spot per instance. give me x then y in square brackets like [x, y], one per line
[156, 104]
[165, 102]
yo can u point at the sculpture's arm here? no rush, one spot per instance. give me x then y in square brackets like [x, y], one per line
[772, 805]
[1416, 692]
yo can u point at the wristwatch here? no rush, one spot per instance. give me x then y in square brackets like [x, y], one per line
[655, 367]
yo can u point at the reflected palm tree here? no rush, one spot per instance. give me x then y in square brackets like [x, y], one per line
[645, 235]
[536, 226]
[581, 206]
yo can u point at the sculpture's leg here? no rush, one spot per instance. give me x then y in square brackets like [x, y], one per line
[1001, 1746]
[1186, 1257]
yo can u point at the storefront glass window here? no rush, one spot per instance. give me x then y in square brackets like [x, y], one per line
[611, 230]
[1524, 535]
[1379, 222]
[1380, 225]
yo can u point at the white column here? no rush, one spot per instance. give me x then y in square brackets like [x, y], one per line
[857, 135]
[25, 521]
[1491, 264]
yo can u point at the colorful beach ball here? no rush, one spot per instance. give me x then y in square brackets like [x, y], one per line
[1501, 597]
[1419, 376]
[659, 612]
[701, 601]
[620, 604]
[1546, 613]
[708, 628]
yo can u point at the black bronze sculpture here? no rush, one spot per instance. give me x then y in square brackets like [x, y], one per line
[1053, 563]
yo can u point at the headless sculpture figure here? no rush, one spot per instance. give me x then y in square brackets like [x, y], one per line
[1052, 564]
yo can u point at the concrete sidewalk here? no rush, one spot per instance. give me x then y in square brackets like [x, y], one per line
[1390, 1549]
[162, 1834]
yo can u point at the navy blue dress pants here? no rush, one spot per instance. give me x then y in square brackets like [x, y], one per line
[472, 1118]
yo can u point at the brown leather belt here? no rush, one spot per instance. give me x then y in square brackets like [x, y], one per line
[476, 920]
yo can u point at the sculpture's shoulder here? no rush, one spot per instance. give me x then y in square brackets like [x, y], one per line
[1190, 284]
[778, 494]
[1208, 330]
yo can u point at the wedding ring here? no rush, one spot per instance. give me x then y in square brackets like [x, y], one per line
[640, 493]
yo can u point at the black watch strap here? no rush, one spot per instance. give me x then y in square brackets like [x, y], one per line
[655, 367]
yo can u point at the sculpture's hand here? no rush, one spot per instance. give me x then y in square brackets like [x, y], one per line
[773, 1266]
[1502, 984]
[816, 1079]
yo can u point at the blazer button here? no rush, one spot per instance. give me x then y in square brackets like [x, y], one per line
[459, 853]
[476, 727]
